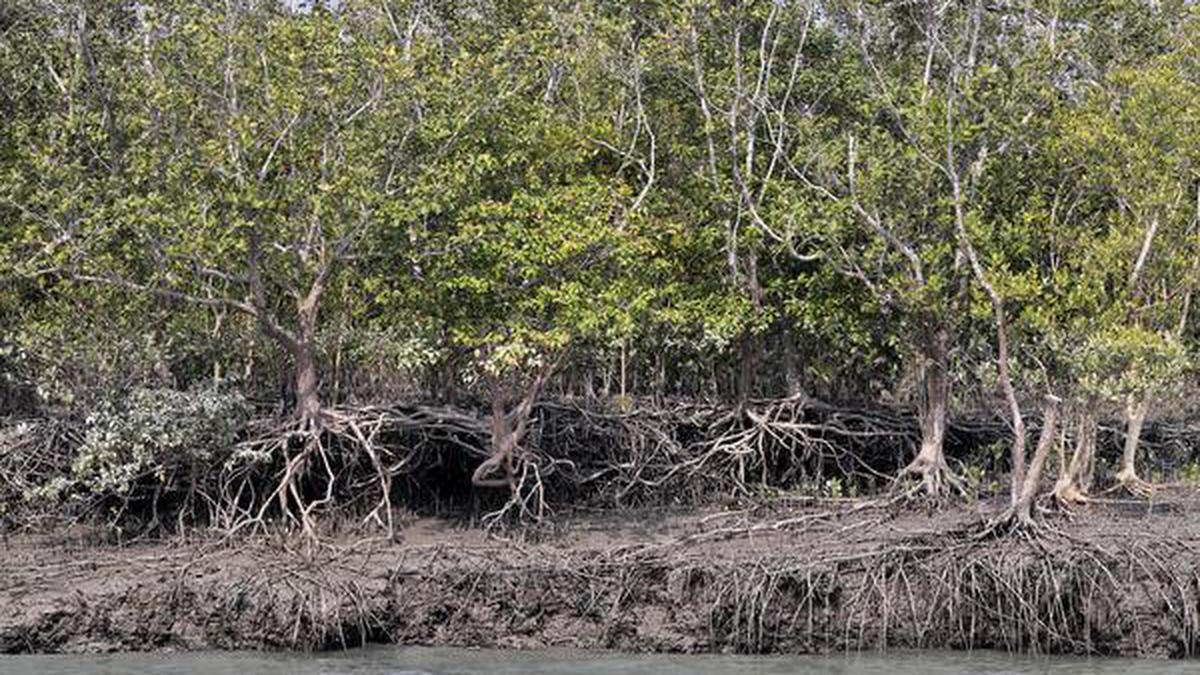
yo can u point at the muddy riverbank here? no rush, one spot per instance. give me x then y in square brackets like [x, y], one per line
[1119, 578]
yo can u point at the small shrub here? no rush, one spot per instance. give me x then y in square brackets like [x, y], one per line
[146, 437]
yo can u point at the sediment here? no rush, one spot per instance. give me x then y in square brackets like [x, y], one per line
[1119, 578]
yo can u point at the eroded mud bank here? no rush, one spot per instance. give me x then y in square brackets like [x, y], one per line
[1119, 579]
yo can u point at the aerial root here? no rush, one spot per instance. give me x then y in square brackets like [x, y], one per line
[1067, 494]
[338, 455]
[936, 476]
[359, 460]
[1016, 595]
[1128, 480]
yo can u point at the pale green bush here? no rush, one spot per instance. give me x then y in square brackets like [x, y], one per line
[147, 436]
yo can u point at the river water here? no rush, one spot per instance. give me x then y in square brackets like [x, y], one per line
[421, 661]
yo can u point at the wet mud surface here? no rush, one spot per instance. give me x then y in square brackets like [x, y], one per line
[1119, 577]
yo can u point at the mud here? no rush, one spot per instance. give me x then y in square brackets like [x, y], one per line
[796, 576]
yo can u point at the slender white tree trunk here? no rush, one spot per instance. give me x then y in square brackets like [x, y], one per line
[1135, 419]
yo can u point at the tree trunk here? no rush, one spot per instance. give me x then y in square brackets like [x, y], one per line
[747, 361]
[1029, 487]
[508, 429]
[307, 383]
[1075, 479]
[299, 343]
[1018, 422]
[1135, 419]
[793, 379]
[930, 462]
[999, 318]
[750, 344]
[502, 444]
[660, 378]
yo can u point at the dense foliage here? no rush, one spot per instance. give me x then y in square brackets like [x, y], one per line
[934, 207]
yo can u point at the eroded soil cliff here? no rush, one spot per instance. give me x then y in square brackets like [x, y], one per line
[1120, 577]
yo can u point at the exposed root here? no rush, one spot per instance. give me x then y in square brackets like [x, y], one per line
[1075, 477]
[1128, 480]
[937, 478]
[364, 464]
[1011, 522]
[805, 586]
[1068, 495]
[313, 458]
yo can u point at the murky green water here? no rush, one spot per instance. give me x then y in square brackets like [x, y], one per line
[419, 661]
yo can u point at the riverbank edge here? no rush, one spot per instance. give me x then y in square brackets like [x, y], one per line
[791, 592]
